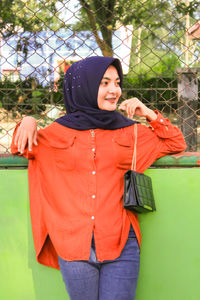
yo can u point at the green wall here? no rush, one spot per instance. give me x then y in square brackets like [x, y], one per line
[170, 252]
[22, 278]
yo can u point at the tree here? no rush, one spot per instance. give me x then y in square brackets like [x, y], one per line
[102, 17]
[158, 39]
[29, 17]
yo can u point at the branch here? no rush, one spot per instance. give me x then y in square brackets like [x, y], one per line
[92, 21]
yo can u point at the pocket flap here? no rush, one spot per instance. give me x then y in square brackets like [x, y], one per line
[123, 141]
[63, 144]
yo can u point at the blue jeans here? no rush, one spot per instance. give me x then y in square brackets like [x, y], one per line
[109, 280]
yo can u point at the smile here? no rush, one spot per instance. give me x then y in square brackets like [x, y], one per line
[111, 99]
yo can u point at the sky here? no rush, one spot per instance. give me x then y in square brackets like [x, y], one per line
[68, 10]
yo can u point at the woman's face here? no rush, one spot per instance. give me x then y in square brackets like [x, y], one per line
[109, 90]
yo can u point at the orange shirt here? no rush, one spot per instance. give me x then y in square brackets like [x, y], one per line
[76, 187]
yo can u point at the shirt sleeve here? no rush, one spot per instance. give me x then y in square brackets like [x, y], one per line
[27, 153]
[170, 138]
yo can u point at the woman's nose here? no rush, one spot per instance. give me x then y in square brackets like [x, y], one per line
[112, 88]
[111, 91]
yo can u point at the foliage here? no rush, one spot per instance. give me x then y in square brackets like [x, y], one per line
[102, 17]
[29, 17]
[154, 63]
[57, 95]
[22, 96]
[159, 38]
[29, 96]
[160, 93]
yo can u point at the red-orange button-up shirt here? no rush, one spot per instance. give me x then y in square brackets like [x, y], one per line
[76, 187]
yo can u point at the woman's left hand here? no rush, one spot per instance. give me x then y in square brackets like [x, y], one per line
[134, 107]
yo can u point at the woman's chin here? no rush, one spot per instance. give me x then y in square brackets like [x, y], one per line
[111, 107]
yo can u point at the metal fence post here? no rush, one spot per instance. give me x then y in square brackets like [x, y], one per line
[188, 104]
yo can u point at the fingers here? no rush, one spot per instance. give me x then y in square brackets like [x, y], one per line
[22, 141]
[129, 106]
[30, 141]
[17, 136]
[133, 107]
[124, 104]
[131, 110]
[35, 138]
[26, 134]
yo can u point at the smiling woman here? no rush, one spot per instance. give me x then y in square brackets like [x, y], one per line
[76, 170]
[109, 90]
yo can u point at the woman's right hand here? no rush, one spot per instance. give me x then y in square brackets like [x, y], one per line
[26, 134]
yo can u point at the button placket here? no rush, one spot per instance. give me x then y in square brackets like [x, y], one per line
[92, 175]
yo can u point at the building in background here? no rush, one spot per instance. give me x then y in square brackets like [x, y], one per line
[48, 54]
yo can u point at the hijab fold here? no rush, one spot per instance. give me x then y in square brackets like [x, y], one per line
[81, 84]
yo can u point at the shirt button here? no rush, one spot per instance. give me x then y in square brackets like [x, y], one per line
[93, 149]
[161, 120]
[93, 196]
[92, 217]
[93, 172]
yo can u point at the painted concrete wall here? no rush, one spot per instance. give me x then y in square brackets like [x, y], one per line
[170, 252]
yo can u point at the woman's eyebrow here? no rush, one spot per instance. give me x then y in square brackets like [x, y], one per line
[107, 78]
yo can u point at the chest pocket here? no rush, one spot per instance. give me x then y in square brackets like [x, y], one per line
[64, 153]
[123, 152]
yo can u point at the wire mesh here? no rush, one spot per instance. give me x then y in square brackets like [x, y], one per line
[156, 41]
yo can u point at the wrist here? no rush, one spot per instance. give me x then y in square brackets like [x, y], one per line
[29, 119]
[151, 115]
[28, 122]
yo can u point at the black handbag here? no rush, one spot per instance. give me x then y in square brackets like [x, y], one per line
[138, 192]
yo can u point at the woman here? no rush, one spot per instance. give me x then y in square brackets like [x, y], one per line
[76, 181]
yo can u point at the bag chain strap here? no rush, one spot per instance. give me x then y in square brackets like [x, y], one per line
[133, 166]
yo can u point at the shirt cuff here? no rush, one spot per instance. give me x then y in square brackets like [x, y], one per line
[159, 121]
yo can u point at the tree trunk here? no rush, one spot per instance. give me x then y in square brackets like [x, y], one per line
[104, 44]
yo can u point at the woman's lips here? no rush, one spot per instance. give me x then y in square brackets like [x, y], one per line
[112, 100]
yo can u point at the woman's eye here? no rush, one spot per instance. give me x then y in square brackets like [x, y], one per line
[105, 83]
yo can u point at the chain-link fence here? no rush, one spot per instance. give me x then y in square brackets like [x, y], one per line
[156, 41]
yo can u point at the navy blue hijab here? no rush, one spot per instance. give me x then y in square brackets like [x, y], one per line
[81, 84]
